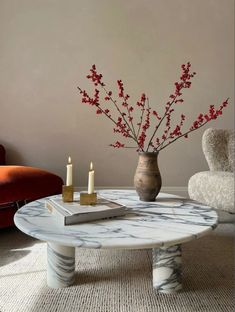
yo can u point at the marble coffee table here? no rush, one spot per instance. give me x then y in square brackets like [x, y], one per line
[162, 225]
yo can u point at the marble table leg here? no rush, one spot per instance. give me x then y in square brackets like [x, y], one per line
[167, 269]
[60, 265]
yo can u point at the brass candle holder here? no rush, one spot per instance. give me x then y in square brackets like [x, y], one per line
[88, 199]
[67, 193]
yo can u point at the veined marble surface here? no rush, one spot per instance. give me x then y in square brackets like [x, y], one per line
[168, 221]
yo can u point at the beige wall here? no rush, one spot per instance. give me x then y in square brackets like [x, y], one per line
[47, 47]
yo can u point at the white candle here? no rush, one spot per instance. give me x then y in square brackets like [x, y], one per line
[69, 176]
[91, 179]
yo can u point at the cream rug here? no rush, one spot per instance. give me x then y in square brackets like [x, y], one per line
[117, 281]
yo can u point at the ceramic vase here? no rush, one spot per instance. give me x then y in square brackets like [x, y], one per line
[147, 180]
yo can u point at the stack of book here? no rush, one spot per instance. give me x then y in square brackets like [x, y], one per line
[73, 213]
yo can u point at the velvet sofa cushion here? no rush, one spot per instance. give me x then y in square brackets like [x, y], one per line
[7, 215]
[27, 183]
[2, 155]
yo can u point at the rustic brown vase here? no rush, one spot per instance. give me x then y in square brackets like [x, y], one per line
[147, 180]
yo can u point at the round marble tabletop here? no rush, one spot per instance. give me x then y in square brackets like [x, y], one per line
[168, 221]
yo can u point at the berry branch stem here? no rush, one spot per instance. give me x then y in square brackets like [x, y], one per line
[180, 136]
[157, 127]
[141, 118]
[121, 114]
[106, 114]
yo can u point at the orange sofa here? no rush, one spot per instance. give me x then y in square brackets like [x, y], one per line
[21, 184]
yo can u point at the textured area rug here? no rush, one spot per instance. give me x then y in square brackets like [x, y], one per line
[117, 280]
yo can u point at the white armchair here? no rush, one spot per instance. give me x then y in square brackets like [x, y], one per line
[216, 187]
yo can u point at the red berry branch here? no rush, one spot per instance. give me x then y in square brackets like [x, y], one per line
[121, 113]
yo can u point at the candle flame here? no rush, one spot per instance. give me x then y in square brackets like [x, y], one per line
[69, 160]
[91, 166]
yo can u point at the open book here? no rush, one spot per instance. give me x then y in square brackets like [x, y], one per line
[73, 213]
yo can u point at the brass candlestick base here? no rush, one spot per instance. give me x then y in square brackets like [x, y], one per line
[67, 193]
[88, 199]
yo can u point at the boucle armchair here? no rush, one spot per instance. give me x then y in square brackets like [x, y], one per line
[216, 187]
[21, 184]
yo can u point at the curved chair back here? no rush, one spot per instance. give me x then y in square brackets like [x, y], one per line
[218, 146]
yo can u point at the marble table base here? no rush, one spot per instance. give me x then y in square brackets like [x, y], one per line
[60, 265]
[167, 265]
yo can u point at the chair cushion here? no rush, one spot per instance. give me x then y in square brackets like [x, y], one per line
[27, 183]
[214, 188]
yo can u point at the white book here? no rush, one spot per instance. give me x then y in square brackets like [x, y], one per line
[73, 213]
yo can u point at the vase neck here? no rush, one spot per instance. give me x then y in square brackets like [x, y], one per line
[149, 154]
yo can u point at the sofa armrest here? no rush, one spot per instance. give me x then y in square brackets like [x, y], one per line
[217, 145]
[2, 155]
